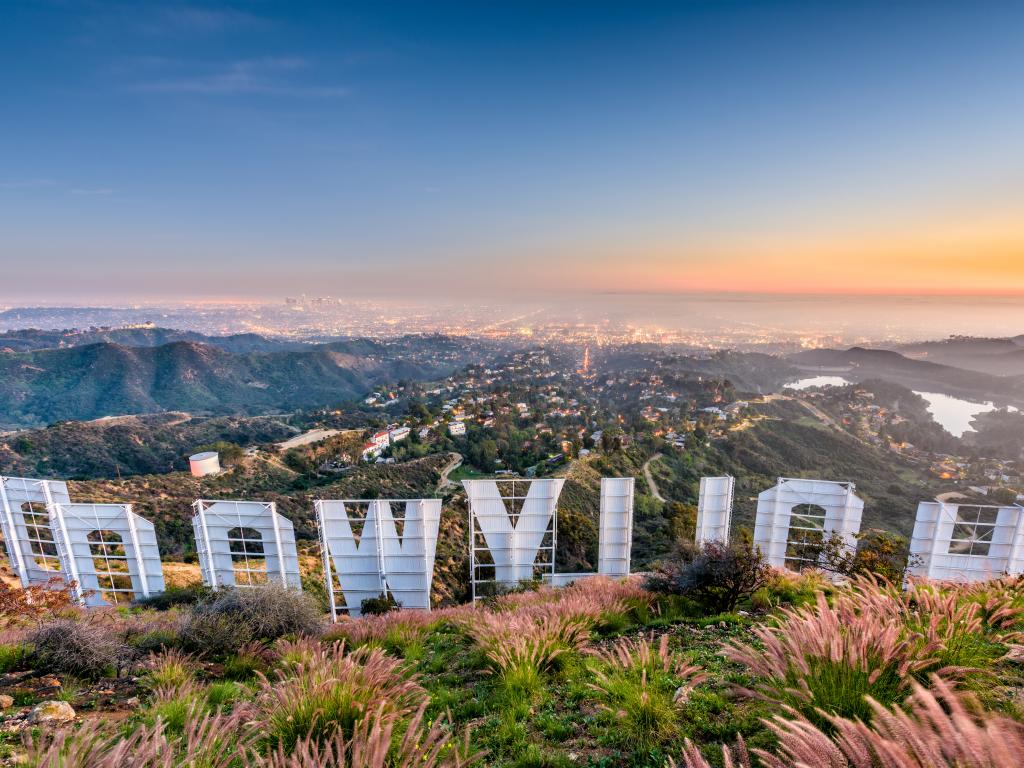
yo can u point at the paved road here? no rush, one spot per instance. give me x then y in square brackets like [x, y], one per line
[651, 485]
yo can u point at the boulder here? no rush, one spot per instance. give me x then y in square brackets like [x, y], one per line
[6, 702]
[52, 712]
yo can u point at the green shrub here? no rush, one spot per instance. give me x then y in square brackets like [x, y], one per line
[171, 669]
[375, 606]
[190, 594]
[13, 656]
[244, 664]
[155, 641]
[213, 634]
[224, 694]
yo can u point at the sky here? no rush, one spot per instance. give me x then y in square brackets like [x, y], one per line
[157, 150]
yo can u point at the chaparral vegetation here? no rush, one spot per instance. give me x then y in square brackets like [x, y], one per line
[639, 672]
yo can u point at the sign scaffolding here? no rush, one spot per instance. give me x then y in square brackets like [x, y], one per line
[714, 509]
[369, 552]
[796, 516]
[35, 548]
[513, 530]
[967, 542]
[615, 534]
[245, 544]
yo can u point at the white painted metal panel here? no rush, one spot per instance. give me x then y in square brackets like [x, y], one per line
[28, 513]
[781, 526]
[615, 526]
[514, 519]
[368, 551]
[714, 509]
[245, 544]
[967, 542]
[114, 553]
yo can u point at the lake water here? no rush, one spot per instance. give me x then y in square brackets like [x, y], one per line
[819, 381]
[953, 413]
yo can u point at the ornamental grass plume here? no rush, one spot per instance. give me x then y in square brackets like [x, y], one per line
[170, 669]
[828, 658]
[394, 628]
[939, 729]
[536, 638]
[641, 686]
[328, 697]
[207, 741]
[374, 744]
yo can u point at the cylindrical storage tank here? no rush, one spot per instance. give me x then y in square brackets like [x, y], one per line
[206, 463]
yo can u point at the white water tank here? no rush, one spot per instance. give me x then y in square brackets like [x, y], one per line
[206, 463]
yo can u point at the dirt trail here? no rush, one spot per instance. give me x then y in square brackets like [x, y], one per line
[651, 485]
[451, 466]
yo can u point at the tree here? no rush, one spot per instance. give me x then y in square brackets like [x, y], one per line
[877, 552]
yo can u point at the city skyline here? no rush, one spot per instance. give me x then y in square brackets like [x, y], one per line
[255, 150]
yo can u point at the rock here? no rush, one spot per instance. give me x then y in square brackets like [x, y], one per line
[6, 702]
[52, 712]
[133, 702]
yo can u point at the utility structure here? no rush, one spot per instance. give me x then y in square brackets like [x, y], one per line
[714, 509]
[513, 531]
[370, 552]
[967, 542]
[797, 516]
[245, 544]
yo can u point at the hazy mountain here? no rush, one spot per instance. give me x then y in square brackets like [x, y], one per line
[104, 379]
[999, 357]
[29, 339]
[859, 363]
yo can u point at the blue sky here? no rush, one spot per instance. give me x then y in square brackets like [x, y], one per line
[261, 148]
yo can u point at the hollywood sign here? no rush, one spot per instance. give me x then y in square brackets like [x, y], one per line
[373, 547]
[109, 555]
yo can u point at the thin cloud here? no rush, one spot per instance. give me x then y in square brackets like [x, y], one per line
[268, 76]
[52, 184]
[203, 20]
[29, 184]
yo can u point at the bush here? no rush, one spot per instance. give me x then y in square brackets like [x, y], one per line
[13, 656]
[155, 641]
[641, 687]
[171, 669]
[375, 606]
[176, 596]
[236, 617]
[329, 695]
[715, 577]
[84, 649]
[214, 635]
[826, 659]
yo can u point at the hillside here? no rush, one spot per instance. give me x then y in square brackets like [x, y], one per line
[998, 357]
[860, 363]
[30, 339]
[128, 445]
[105, 379]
